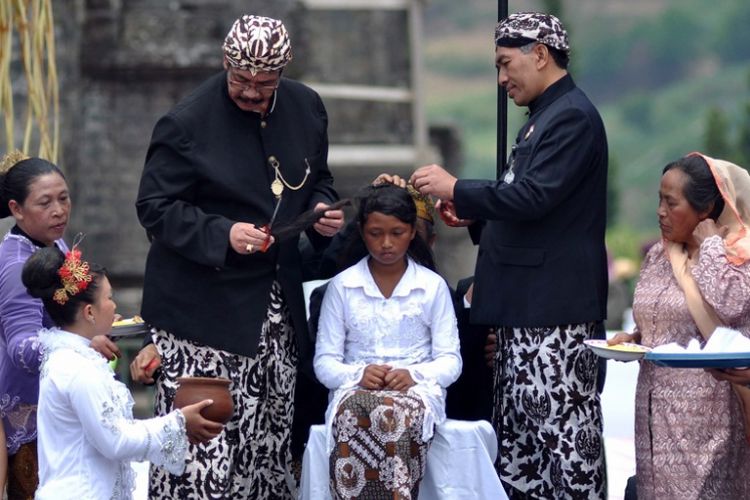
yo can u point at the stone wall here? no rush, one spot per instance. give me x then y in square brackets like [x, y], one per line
[361, 48]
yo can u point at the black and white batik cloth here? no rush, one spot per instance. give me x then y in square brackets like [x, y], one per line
[547, 413]
[379, 451]
[250, 458]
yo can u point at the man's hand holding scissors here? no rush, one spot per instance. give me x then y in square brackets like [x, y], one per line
[248, 238]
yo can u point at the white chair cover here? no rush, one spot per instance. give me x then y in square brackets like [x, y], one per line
[459, 464]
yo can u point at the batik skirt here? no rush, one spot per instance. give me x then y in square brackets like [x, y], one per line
[250, 458]
[379, 452]
[23, 478]
[547, 413]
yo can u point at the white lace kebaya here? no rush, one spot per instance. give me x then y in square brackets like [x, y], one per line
[87, 436]
[414, 329]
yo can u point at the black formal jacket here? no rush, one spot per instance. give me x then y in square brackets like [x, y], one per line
[206, 168]
[542, 260]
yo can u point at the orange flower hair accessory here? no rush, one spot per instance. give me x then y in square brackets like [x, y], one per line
[74, 275]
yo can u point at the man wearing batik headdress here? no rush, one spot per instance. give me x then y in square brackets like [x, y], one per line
[541, 272]
[247, 149]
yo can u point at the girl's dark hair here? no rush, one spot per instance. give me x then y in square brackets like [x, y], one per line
[700, 190]
[397, 202]
[39, 276]
[14, 183]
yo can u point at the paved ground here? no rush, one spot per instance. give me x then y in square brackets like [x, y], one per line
[618, 406]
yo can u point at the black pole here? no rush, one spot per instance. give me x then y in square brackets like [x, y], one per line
[502, 106]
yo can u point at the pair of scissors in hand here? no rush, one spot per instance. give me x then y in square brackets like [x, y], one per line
[266, 228]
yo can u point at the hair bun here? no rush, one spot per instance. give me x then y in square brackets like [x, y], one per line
[9, 160]
[39, 274]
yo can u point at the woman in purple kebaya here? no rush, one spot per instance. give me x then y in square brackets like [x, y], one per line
[34, 192]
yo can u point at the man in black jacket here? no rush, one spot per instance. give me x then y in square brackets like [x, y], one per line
[541, 272]
[246, 149]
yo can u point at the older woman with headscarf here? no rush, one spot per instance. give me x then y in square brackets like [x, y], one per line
[690, 428]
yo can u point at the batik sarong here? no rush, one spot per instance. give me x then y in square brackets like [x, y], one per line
[250, 458]
[379, 452]
[547, 413]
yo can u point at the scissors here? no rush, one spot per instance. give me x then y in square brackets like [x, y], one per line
[266, 228]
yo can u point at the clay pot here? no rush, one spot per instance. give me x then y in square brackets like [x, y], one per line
[195, 389]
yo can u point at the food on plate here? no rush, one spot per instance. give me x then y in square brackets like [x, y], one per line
[135, 320]
[627, 347]
[626, 351]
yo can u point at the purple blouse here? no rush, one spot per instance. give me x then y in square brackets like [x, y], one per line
[21, 317]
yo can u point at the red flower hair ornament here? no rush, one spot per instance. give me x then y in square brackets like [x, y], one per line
[74, 275]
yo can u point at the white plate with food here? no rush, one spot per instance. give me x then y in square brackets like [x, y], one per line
[626, 351]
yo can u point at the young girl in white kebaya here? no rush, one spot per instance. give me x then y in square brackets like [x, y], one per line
[86, 433]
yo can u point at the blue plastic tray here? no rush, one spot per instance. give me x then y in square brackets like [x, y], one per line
[700, 360]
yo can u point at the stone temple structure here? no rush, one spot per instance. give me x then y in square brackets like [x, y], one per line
[122, 64]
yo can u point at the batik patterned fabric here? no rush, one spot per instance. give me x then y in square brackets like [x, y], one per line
[379, 451]
[547, 413]
[533, 26]
[250, 458]
[258, 43]
[23, 479]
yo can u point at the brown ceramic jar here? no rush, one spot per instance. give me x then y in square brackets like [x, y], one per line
[193, 390]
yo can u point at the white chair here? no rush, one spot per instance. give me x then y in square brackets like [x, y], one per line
[307, 289]
[459, 464]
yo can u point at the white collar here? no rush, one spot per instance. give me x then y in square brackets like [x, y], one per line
[359, 276]
[54, 339]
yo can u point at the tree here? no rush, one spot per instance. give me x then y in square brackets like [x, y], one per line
[554, 7]
[613, 193]
[716, 140]
[743, 138]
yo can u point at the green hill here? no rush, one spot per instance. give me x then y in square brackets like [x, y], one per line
[647, 131]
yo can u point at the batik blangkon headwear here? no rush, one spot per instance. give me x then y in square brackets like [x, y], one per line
[522, 28]
[258, 43]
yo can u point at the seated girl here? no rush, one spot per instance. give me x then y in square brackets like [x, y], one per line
[86, 432]
[388, 347]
